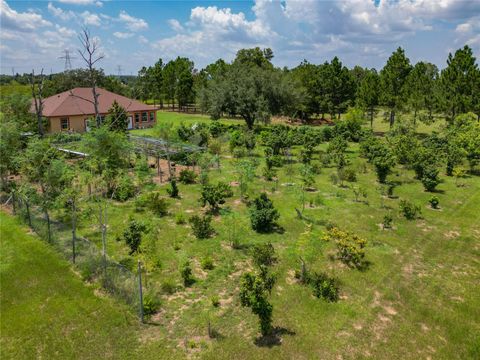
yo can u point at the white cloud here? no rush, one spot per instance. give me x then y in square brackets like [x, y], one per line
[311, 28]
[175, 25]
[81, 2]
[123, 35]
[26, 21]
[90, 18]
[142, 39]
[132, 23]
[60, 13]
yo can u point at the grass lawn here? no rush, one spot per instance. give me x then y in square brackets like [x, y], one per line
[176, 118]
[418, 299]
[47, 312]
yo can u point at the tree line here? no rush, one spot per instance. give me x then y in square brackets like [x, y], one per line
[252, 88]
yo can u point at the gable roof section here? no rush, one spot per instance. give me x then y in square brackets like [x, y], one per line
[79, 101]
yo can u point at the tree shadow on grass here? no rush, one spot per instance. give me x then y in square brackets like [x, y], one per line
[273, 339]
[214, 334]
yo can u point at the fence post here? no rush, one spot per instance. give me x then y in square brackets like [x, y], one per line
[74, 225]
[14, 199]
[140, 290]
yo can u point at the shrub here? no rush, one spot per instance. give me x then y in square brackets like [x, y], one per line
[128, 262]
[262, 214]
[434, 202]
[187, 177]
[180, 219]
[124, 190]
[269, 173]
[201, 226]
[350, 247]
[168, 286]
[349, 175]
[215, 301]
[133, 235]
[264, 254]
[173, 189]
[150, 304]
[186, 274]
[430, 178]
[207, 263]
[153, 202]
[387, 221]
[409, 210]
[324, 287]
[215, 195]
[254, 291]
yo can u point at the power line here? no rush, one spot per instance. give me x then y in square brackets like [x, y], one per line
[67, 57]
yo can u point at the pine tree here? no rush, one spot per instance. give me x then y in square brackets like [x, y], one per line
[460, 83]
[392, 79]
[368, 93]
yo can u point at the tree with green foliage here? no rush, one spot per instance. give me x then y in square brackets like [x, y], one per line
[264, 255]
[117, 118]
[187, 274]
[215, 195]
[419, 89]
[393, 77]
[384, 161]
[173, 189]
[133, 235]
[41, 164]
[10, 150]
[430, 178]
[108, 155]
[368, 93]
[263, 215]
[460, 83]
[245, 173]
[336, 150]
[254, 294]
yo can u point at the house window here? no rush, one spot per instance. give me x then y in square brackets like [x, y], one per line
[64, 123]
[152, 116]
[144, 116]
[102, 118]
[137, 117]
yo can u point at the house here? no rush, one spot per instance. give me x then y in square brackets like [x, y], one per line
[73, 109]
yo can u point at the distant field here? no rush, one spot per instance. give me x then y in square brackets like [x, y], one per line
[380, 123]
[10, 89]
[47, 312]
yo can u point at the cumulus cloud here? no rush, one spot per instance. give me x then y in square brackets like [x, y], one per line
[175, 25]
[311, 28]
[123, 35]
[132, 23]
[82, 2]
[60, 13]
[90, 18]
[26, 21]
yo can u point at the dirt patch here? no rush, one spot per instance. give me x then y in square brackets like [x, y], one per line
[290, 279]
[451, 234]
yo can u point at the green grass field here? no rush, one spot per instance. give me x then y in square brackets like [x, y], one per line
[418, 299]
[47, 312]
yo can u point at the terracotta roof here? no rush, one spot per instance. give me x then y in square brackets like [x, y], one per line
[78, 101]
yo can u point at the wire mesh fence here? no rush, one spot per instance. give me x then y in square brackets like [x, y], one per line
[88, 259]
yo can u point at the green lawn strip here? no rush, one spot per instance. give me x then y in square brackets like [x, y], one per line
[48, 312]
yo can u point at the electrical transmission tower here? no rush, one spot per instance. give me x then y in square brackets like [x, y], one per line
[67, 57]
[119, 70]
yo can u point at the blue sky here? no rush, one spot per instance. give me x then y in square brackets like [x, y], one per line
[136, 33]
